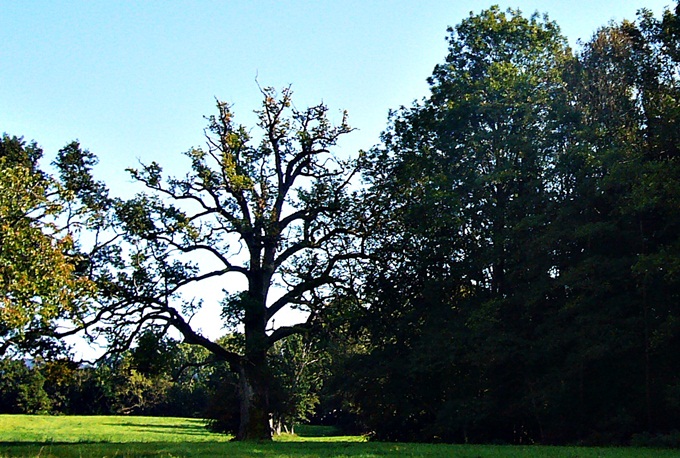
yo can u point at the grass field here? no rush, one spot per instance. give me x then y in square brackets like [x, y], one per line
[43, 436]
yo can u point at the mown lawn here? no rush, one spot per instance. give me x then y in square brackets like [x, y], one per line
[76, 436]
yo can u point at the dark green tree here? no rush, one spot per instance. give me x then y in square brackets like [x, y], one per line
[528, 253]
[612, 216]
[21, 389]
[465, 182]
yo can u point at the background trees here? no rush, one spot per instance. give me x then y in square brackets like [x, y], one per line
[471, 169]
[511, 298]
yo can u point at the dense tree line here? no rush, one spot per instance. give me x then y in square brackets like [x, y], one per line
[510, 270]
[129, 383]
[161, 376]
[525, 287]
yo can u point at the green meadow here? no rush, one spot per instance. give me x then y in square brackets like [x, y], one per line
[123, 436]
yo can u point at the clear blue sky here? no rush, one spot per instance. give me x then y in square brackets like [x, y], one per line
[133, 79]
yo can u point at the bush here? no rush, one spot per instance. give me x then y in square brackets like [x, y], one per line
[22, 389]
[670, 440]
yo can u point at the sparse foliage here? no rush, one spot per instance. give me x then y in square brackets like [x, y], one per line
[277, 210]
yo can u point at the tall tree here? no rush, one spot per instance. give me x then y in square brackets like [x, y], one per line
[466, 181]
[275, 210]
[615, 216]
[534, 199]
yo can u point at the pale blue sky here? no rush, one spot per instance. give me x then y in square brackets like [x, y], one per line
[133, 79]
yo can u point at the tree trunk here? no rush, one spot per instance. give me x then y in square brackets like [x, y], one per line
[254, 404]
[254, 375]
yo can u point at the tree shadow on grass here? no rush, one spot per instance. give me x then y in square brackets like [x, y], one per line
[317, 431]
[178, 429]
[156, 425]
[194, 449]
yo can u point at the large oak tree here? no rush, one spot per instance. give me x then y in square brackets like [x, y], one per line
[273, 207]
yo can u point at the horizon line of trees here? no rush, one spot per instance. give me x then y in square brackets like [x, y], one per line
[161, 376]
[509, 270]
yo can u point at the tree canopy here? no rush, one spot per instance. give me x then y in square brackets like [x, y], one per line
[39, 281]
[513, 298]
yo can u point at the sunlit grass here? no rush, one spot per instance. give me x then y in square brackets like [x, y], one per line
[111, 436]
[67, 429]
[325, 434]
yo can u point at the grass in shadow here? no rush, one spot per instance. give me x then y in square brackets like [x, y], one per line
[320, 450]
